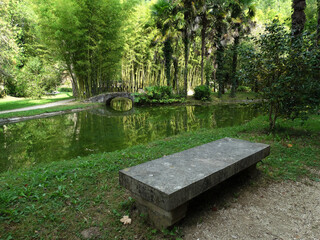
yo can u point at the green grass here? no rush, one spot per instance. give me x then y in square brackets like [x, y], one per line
[239, 96]
[47, 110]
[9, 103]
[225, 98]
[61, 199]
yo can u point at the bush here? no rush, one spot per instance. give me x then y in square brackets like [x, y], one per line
[287, 68]
[202, 92]
[156, 95]
[159, 92]
[65, 89]
[244, 89]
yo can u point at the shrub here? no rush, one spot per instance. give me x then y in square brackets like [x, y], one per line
[157, 95]
[243, 89]
[202, 92]
[65, 89]
[159, 92]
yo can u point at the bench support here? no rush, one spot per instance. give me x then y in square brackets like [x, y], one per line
[163, 187]
[159, 217]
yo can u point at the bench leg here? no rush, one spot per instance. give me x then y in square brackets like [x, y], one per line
[159, 217]
[252, 171]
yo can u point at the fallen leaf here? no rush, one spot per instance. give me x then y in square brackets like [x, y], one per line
[125, 220]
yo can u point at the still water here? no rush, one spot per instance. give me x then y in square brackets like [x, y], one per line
[103, 130]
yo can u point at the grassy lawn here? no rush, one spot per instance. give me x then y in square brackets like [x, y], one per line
[47, 110]
[9, 103]
[62, 199]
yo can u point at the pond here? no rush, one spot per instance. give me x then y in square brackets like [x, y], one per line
[103, 129]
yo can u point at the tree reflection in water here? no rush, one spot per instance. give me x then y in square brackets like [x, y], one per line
[78, 134]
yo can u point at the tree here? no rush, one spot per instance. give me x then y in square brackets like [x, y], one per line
[189, 16]
[8, 46]
[241, 13]
[318, 25]
[285, 67]
[86, 35]
[298, 17]
[204, 26]
[219, 31]
[167, 22]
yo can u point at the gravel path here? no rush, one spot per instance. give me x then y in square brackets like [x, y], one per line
[62, 102]
[276, 210]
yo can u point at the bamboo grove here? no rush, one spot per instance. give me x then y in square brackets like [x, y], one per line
[113, 45]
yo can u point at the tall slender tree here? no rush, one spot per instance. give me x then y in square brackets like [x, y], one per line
[166, 21]
[298, 17]
[318, 25]
[189, 10]
[87, 36]
[204, 24]
[241, 14]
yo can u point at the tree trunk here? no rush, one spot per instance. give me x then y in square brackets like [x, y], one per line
[318, 26]
[273, 115]
[219, 70]
[298, 17]
[219, 58]
[234, 66]
[203, 42]
[186, 60]
[167, 49]
[176, 72]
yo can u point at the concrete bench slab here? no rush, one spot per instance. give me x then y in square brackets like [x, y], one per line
[163, 187]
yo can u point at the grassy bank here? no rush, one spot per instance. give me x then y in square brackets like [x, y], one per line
[9, 103]
[62, 199]
[70, 106]
[239, 96]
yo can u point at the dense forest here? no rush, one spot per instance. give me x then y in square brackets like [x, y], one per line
[111, 45]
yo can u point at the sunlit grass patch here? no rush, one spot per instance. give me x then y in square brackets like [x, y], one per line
[9, 102]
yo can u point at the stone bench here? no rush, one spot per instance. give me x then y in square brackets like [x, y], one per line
[163, 187]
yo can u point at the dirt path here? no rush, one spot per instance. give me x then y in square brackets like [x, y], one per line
[38, 106]
[276, 210]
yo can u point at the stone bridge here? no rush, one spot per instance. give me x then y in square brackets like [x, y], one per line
[107, 97]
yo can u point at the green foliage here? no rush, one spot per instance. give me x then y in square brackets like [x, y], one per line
[287, 68]
[64, 89]
[267, 10]
[202, 92]
[159, 92]
[87, 36]
[34, 79]
[244, 89]
[9, 49]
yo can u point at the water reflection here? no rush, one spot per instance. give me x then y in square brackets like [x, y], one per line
[121, 104]
[98, 130]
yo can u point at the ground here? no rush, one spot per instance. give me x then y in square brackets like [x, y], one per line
[47, 105]
[260, 210]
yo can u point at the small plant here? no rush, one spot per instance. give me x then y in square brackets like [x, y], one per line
[202, 92]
